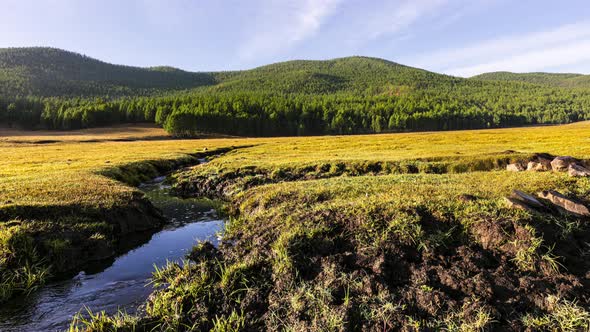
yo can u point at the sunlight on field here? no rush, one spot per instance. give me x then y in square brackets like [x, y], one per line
[287, 207]
[65, 172]
[127, 132]
[571, 139]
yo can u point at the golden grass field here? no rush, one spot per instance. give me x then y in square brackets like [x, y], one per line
[283, 223]
[64, 171]
[119, 132]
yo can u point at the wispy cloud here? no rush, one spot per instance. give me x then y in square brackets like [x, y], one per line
[536, 60]
[396, 16]
[286, 26]
[564, 45]
[388, 21]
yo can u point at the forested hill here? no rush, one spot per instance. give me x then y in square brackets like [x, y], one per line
[44, 71]
[54, 72]
[359, 75]
[50, 88]
[548, 79]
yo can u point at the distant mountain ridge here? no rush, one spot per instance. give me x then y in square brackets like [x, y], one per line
[50, 71]
[42, 71]
[54, 72]
[352, 74]
[566, 80]
[348, 95]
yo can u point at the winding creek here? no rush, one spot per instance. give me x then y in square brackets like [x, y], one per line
[124, 284]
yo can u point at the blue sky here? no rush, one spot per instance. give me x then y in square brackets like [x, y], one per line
[458, 37]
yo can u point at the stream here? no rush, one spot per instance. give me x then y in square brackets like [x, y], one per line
[122, 285]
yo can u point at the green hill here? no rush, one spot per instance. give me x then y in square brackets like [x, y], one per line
[340, 96]
[548, 79]
[55, 72]
[350, 74]
[39, 71]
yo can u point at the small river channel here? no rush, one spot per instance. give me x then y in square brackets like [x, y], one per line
[124, 284]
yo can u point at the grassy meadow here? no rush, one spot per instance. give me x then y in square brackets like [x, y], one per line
[573, 139]
[68, 172]
[403, 231]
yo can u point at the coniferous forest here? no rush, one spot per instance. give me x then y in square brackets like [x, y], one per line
[44, 88]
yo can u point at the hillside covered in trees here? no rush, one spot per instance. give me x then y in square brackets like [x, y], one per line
[52, 72]
[549, 79]
[49, 88]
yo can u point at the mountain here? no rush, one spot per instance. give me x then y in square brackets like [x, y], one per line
[350, 74]
[42, 71]
[53, 72]
[301, 97]
[547, 79]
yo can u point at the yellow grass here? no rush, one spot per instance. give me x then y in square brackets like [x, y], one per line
[66, 172]
[126, 132]
[573, 139]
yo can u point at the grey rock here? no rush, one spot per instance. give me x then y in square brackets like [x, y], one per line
[560, 164]
[542, 165]
[565, 203]
[515, 167]
[576, 170]
[526, 198]
[517, 204]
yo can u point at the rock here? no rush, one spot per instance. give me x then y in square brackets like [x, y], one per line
[539, 165]
[560, 164]
[576, 170]
[517, 204]
[565, 203]
[526, 198]
[515, 167]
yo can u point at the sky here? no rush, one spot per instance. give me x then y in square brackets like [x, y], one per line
[456, 37]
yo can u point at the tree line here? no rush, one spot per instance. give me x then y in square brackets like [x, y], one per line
[462, 106]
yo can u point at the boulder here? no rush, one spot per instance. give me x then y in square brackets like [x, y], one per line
[517, 204]
[536, 166]
[576, 170]
[540, 163]
[565, 203]
[515, 167]
[526, 199]
[560, 164]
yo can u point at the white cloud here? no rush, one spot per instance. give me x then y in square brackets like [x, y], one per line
[564, 45]
[283, 27]
[565, 54]
[397, 16]
[389, 21]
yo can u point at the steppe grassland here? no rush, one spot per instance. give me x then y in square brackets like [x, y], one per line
[573, 139]
[290, 215]
[316, 248]
[62, 172]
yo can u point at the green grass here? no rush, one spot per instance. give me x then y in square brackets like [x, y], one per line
[336, 233]
[300, 235]
[469, 145]
[563, 315]
[69, 194]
